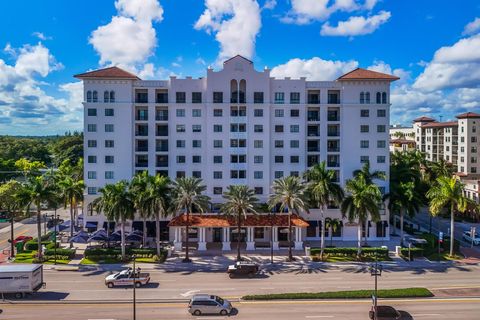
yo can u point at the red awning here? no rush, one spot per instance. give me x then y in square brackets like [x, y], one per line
[218, 221]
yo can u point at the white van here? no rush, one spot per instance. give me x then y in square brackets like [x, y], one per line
[209, 304]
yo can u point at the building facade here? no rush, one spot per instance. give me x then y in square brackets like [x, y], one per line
[235, 126]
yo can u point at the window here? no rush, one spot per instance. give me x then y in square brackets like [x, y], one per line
[95, 96]
[381, 113]
[258, 128]
[294, 144]
[217, 190]
[92, 175]
[112, 96]
[258, 175]
[180, 174]
[217, 97]
[180, 143]
[294, 97]
[278, 159]
[378, 99]
[258, 190]
[364, 144]
[109, 128]
[217, 112]
[92, 159]
[92, 143]
[313, 115]
[92, 128]
[106, 97]
[196, 128]
[217, 143]
[364, 128]
[473, 169]
[384, 97]
[381, 128]
[217, 159]
[279, 97]
[181, 159]
[364, 159]
[380, 159]
[180, 97]
[196, 159]
[196, 113]
[180, 113]
[217, 128]
[294, 159]
[258, 112]
[196, 174]
[109, 159]
[258, 97]
[196, 143]
[258, 159]
[279, 128]
[180, 128]
[278, 143]
[362, 97]
[196, 97]
[278, 113]
[238, 143]
[217, 174]
[258, 144]
[238, 174]
[109, 112]
[238, 158]
[92, 190]
[367, 97]
[294, 113]
[381, 143]
[294, 173]
[364, 113]
[108, 175]
[89, 96]
[278, 174]
[294, 128]
[92, 112]
[109, 143]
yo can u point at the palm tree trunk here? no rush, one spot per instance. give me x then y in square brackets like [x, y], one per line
[359, 237]
[108, 234]
[39, 230]
[122, 231]
[322, 235]
[401, 227]
[187, 242]
[157, 232]
[144, 232]
[12, 246]
[290, 256]
[239, 229]
[330, 229]
[366, 233]
[452, 226]
[71, 221]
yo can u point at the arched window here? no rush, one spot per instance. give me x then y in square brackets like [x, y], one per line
[95, 96]
[367, 97]
[379, 98]
[233, 91]
[112, 96]
[243, 91]
[106, 97]
[362, 97]
[384, 97]
[89, 96]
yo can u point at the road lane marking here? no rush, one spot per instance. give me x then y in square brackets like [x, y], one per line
[426, 315]
[315, 317]
[189, 293]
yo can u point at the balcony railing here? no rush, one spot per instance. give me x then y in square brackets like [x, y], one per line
[313, 149]
[313, 133]
[141, 133]
[162, 148]
[333, 164]
[162, 164]
[333, 118]
[141, 164]
[333, 149]
[161, 117]
[335, 133]
[142, 149]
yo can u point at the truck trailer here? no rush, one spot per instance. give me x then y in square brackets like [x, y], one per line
[20, 279]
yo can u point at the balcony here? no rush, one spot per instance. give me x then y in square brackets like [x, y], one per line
[161, 146]
[333, 133]
[313, 131]
[313, 99]
[162, 98]
[141, 149]
[333, 117]
[313, 149]
[142, 131]
[333, 164]
[333, 97]
[141, 97]
[141, 164]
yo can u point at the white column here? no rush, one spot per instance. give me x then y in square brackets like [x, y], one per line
[226, 240]
[202, 244]
[250, 239]
[177, 242]
[298, 239]
[275, 238]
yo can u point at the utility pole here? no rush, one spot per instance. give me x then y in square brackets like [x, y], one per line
[375, 271]
[271, 237]
[134, 286]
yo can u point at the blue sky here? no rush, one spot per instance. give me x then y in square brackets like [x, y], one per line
[432, 45]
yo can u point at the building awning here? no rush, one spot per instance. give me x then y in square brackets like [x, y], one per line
[217, 221]
[91, 224]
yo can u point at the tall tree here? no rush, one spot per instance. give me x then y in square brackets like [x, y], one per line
[361, 202]
[187, 196]
[323, 189]
[138, 187]
[367, 175]
[29, 167]
[448, 191]
[333, 225]
[71, 193]
[9, 202]
[239, 201]
[289, 195]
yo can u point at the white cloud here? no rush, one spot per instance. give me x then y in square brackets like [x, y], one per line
[269, 4]
[314, 69]
[35, 59]
[200, 61]
[472, 28]
[129, 39]
[235, 24]
[356, 26]
[41, 36]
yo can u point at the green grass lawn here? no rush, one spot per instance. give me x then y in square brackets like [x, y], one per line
[353, 294]
[86, 261]
[27, 257]
[342, 258]
[444, 256]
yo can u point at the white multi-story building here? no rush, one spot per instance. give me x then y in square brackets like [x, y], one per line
[235, 126]
[402, 138]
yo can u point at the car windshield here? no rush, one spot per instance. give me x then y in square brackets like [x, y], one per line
[219, 300]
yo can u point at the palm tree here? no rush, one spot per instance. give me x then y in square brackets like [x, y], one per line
[187, 195]
[37, 191]
[362, 201]
[118, 205]
[71, 192]
[448, 191]
[333, 225]
[9, 202]
[323, 189]
[289, 195]
[239, 200]
[138, 186]
[367, 175]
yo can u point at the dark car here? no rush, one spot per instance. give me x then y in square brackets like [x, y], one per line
[384, 313]
[241, 268]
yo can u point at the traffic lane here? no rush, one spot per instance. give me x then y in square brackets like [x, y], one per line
[91, 285]
[466, 309]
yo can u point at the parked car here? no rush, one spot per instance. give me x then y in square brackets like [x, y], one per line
[22, 239]
[126, 278]
[242, 268]
[468, 237]
[384, 313]
[209, 304]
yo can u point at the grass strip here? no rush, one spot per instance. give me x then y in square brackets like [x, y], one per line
[352, 294]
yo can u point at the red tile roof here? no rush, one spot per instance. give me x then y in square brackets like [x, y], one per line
[440, 124]
[108, 73]
[219, 221]
[364, 74]
[468, 115]
[423, 119]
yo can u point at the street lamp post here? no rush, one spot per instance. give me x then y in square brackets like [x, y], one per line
[55, 221]
[271, 237]
[375, 271]
[134, 293]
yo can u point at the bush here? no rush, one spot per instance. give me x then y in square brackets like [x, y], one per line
[33, 245]
[69, 253]
[415, 252]
[116, 253]
[381, 253]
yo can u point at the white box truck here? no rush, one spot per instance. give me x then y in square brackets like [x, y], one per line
[19, 279]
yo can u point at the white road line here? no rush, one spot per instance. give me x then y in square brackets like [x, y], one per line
[317, 317]
[189, 293]
[206, 318]
[268, 288]
[426, 315]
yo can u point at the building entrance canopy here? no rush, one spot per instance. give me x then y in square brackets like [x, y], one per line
[218, 221]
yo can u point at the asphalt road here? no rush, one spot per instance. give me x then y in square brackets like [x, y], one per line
[465, 309]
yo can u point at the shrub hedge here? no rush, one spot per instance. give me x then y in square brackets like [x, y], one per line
[69, 253]
[115, 253]
[381, 253]
[33, 245]
[415, 252]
